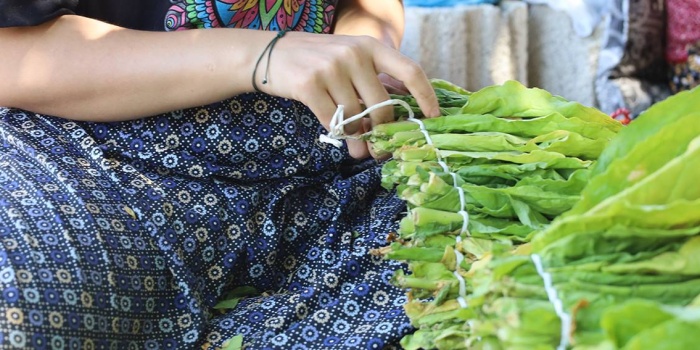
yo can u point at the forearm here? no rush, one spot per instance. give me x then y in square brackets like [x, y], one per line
[383, 20]
[84, 69]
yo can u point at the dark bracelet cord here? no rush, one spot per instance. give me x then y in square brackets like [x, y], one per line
[268, 49]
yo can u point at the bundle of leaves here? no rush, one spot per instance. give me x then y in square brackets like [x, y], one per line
[520, 157]
[619, 270]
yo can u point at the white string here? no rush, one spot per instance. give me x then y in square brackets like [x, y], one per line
[462, 302]
[337, 124]
[462, 283]
[337, 133]
[465, 221]
[462, 205]
[424, 130]
[460, 257]
[556, 302]
[455, 183]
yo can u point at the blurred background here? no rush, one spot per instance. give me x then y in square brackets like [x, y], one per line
[610, 54]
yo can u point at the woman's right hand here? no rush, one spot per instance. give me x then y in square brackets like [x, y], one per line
[324, 71]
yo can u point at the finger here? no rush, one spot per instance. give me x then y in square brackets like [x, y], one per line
[322, 106]
[392, 85]
[357, 148]
[372, 92]
[393, 63]
[343, 93]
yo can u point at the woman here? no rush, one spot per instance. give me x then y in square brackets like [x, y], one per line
[141, 179]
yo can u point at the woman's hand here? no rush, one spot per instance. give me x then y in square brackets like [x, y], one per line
[324, 71]
[383, 21]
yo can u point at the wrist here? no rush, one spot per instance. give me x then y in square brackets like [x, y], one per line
[267, 55]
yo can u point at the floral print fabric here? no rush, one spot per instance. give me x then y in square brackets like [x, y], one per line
[301, 15]
[126, 235]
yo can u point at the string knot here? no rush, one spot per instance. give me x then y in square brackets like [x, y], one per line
[337, 123]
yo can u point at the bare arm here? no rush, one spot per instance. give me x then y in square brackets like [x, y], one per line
[383, 20]
[86, 69]
[79, 68]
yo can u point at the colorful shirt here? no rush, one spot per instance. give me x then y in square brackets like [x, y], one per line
[301, 15]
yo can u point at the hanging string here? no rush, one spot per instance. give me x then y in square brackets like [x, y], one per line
[556, 302]
[455, 183]
[465, 217]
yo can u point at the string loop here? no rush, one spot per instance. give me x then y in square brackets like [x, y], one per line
[337, 124]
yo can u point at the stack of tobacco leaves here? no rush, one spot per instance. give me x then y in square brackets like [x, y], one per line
[620, 270]
[521, 157]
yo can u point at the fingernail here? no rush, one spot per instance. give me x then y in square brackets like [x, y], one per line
[435, 112]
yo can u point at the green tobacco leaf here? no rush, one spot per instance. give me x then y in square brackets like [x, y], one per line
[650, 122]
[567, 143]
[448, 86]
[512, 99]
[685, 261]
[227, 304]
[553, 160]
[449, 97]
[596, 247]
[625, 219]
[651, 200]
[467, 123]
[232, 298]
[640, 161]
[428, 254]
[672, 334]
[235, 343]
[642, 324]
[549, 197]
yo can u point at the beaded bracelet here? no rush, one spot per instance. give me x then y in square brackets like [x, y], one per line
[268, 49]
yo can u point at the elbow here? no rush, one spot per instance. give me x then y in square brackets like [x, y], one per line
[12, 96]
[28, 82]
[8, 97]
[13, 87]
[28, 97]
[27, 67]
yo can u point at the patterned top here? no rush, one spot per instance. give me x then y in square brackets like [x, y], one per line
[300, 15]
[126, 235]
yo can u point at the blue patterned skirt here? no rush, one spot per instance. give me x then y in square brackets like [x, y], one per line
[125, 235]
